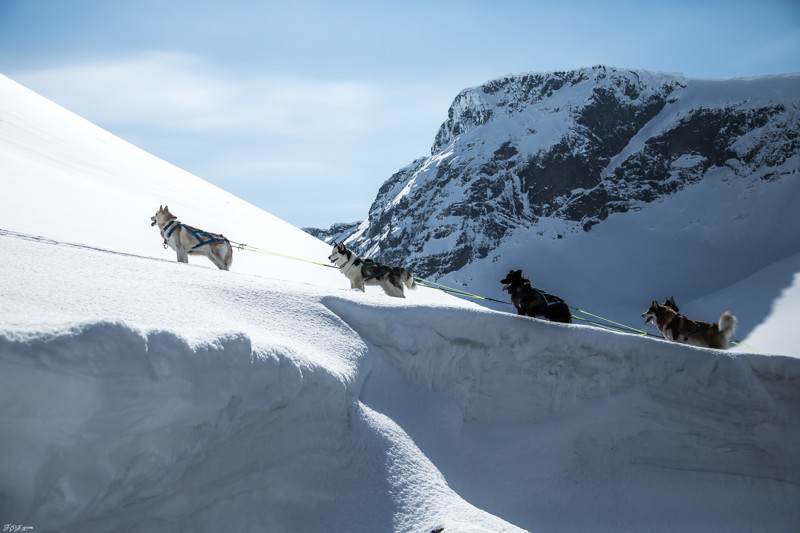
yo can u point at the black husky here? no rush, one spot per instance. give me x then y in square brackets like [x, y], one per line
[533, 302]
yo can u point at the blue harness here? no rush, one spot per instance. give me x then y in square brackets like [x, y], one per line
[698, 330]
[194, 231]
[547, 301]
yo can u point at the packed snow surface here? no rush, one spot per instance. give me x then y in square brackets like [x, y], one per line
[142, 394]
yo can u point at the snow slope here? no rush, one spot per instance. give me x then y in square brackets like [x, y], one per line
[65, 178]
[140, 394]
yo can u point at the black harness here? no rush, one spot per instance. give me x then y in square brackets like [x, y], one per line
[376, 270]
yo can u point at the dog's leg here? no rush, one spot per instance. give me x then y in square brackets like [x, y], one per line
[182, 257]
[389, 288]
[219, 263]
[216, 253]
[393, 290]
[228, 256]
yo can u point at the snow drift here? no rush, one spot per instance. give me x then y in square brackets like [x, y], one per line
[139, 394]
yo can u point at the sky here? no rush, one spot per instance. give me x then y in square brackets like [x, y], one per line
[305, 108]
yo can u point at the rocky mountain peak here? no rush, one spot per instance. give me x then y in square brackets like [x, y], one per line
[560, 151]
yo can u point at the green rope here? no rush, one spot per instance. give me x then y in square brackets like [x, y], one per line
[634, 330]
[740, 343]
[626, 329]
[458, 292]
[249, 248]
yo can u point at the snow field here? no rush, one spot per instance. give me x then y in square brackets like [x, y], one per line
[356, 411]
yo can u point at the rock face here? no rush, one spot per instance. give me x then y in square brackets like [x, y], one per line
[561, 151]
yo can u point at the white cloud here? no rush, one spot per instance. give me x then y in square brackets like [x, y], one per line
[179, 92]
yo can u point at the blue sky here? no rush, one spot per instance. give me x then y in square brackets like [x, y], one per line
[305, 108]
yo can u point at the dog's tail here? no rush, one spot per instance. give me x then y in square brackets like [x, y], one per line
[727, 324]
[408, 279]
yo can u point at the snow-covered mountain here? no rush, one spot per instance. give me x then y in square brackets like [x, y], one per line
[141, 394]
[577, 177]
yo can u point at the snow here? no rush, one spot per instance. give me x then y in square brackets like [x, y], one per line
[141, 394]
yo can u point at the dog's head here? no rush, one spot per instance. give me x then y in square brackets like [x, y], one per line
[671, 304]
[514, 277]
[652, 312]
[340, 254]
[162, 216]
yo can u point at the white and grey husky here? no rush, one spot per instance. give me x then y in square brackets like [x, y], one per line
[186, 240]
[363, 272]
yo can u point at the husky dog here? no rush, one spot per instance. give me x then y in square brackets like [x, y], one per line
[363, 272]
[186, 240]
[678, 328]
[533, 302]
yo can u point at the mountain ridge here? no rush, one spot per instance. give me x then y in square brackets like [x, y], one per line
[559, 152]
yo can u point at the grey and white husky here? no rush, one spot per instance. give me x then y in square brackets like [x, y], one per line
[363, 272]
[186, 240]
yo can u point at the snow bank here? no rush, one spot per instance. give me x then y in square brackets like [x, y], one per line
[166, 395]
[136, 433]
[150, 394]
[543, 416]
